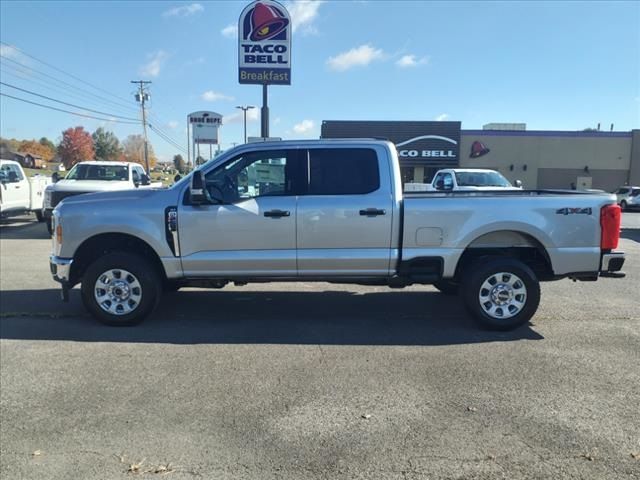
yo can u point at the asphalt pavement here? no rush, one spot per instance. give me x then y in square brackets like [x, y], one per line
[310, 381]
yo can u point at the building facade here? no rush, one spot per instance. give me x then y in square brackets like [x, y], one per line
[540, 159]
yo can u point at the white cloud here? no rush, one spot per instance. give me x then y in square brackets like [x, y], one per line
[155, 63]
[172, 124]
[184, 11]
[253, 115]
[303, 14]
[407, 61]
[356, 57]
[211, 96]
[230, 31]
[442, 117]
[305, 126]
[8, 51]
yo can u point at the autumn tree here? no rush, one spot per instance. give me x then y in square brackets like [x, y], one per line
[76, 146]
[106, 144]
[36, 148]
[133, 148]
[178, 162]
[45, 142]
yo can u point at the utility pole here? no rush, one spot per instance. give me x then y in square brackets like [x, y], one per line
[244, 110]
[142, 96]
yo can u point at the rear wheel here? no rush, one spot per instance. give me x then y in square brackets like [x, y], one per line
[49, 223]
[448, 287]
[121, 288]
[501, 293]
[39, 216]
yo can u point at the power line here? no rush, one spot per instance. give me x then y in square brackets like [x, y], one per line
[68, 104]
[166, 139]
[67, 111]
[62, 71]
[28, 68]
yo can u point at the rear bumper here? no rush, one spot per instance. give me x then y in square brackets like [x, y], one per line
[611, 264]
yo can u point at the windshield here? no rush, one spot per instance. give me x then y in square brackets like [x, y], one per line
[481, 179]
[99, 172]
[635, 192]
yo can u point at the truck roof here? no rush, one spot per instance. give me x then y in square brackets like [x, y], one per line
[106, 163]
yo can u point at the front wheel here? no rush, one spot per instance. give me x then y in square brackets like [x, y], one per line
[623, 205]
[121, 288]
[49, 223]
[501, 293]
[39, 216]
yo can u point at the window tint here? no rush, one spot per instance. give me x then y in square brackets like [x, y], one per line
[343, 171]
[448, 181]
[622, 191]
[255, 174]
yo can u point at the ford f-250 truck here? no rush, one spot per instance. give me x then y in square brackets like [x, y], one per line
[332, 211]
[92, 177]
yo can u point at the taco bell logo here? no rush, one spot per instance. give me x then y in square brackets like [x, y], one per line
[264, 44]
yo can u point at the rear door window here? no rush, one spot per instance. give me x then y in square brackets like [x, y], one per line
[342, 171]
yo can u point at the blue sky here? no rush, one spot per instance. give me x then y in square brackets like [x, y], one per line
[553, 65]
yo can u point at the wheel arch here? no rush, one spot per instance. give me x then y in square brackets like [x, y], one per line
[103, 243]
[508, 243]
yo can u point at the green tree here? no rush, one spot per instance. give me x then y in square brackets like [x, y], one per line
[45, 142]
[106, 144]
[179, 163]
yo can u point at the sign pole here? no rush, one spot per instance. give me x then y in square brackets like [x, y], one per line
[264, 133]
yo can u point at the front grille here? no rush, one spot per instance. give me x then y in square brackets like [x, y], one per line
[57, 197]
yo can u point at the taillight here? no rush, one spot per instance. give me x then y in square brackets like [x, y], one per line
[610, 226]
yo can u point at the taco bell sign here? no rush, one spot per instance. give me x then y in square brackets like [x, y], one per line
[264, 44]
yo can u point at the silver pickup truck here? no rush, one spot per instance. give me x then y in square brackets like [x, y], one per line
[330, 211]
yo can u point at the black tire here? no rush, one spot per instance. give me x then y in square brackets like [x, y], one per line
[49, 223]
[448, 287]
[521, 301]
[39, 216]
[623, 205]
[147, 276]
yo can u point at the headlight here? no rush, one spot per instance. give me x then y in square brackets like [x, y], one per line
[47, 199]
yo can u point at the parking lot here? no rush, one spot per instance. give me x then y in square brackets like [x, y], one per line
[316, 381]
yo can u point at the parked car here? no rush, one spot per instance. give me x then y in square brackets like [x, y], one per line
[628, 197]
[20, 194]
[331, 211]
[94, 176]
[464, 179]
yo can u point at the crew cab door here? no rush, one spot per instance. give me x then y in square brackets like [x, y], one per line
[249, 230]
[345, 214]
[15, 192]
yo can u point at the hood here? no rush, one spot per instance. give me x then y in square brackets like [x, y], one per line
[131, 195]
[91, 185]
[484, 189]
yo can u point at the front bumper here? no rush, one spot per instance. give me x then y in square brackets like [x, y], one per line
[61, 269]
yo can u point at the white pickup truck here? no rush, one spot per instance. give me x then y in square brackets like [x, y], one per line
[331, 211]
[464, 180]
[20, 194]
[95, 176]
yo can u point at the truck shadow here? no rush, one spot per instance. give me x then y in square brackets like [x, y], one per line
[255, 317]
[23, 229]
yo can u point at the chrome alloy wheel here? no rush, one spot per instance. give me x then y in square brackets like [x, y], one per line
[503, 295]
[118, 292]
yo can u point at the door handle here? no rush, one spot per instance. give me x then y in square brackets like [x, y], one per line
[372, 212]
[277, 213]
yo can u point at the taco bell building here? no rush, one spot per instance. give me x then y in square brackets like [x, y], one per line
[539, 158]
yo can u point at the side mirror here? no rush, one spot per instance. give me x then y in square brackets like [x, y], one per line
[519, 183]
[55, 177]
[198, 192]
[177, 178]
[145, 180]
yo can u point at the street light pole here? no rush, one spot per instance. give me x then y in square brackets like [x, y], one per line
[244, 111]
